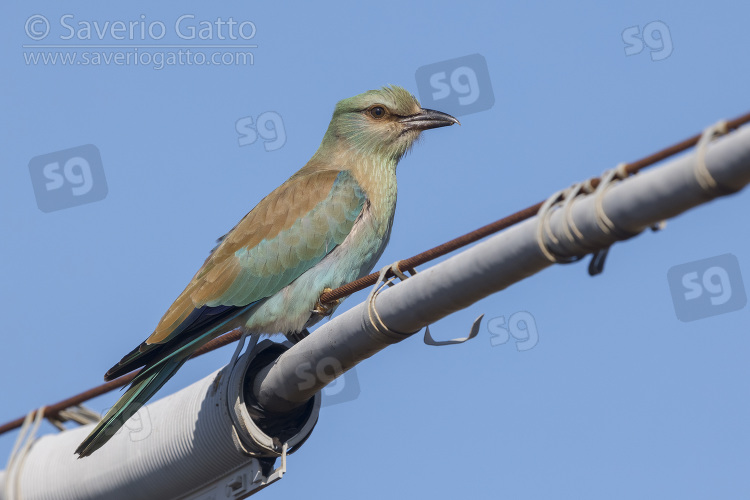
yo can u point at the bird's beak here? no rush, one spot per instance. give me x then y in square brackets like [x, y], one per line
[426, 119]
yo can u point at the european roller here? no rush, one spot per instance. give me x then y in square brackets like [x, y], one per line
[325, 226]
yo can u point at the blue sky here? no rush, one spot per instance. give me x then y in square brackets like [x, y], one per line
[618, 398]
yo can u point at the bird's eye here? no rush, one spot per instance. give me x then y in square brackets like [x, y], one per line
[377, 111]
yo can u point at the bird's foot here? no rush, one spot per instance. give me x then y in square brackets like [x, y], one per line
[326, 309]
[295, 337]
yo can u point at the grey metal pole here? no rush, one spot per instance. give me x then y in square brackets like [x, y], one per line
[632, 205]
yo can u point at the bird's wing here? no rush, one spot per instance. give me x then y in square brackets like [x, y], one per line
[286, 234]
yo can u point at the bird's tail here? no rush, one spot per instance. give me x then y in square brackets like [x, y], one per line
[144, 385]
[160, 362]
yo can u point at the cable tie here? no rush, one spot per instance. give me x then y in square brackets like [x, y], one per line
[571, 231]
[702, 174]
[620, 172]
[544, 229]
[77, 413]
[596, 264]
[565, 199]
[473, 332]
[25, 439]
[375, 323]
[569, 227]
[396, 270]
[607, 181]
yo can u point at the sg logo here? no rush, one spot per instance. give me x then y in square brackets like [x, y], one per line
[521, 326]
[137, 426]
[269, 126]
[707, 287]
[655, 36]
[340, 390]
[68, 178]
[458, 86]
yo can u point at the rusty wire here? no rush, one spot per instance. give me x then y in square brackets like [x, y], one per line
[369, 280]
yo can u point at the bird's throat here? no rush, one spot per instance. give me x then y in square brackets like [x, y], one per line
[377, 177]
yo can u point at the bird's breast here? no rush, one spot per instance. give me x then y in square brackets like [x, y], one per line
[290, 309]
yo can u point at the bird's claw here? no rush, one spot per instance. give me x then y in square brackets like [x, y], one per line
[325, 309]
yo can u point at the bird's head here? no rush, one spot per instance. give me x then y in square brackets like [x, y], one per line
[383, 122]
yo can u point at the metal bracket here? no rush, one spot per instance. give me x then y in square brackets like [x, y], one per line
[241, 483]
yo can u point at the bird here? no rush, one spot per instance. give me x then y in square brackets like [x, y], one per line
[327, 225]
